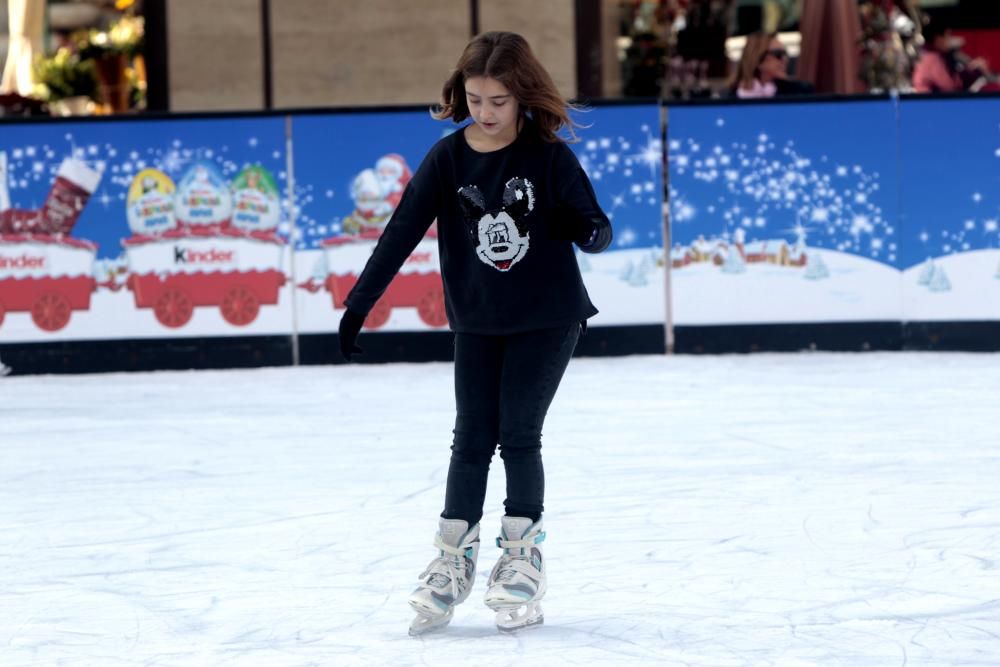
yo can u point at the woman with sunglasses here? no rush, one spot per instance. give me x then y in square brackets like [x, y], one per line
[763, 70]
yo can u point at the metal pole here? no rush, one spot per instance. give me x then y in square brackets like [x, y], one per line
[474, 17]
[292, 236]
[265, 34]
[668, 324]
[156, 52]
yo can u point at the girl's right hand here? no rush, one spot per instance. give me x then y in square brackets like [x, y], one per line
[350, 327]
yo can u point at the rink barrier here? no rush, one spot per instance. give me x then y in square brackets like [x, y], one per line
[99, 356]
[75, 356]
[934, 212]
[185, 294]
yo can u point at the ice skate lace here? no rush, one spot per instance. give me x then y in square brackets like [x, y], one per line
[450, 564]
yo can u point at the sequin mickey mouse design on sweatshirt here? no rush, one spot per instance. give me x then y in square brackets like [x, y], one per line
[502, 236]
[503, 267]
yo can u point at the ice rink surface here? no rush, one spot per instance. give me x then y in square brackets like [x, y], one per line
[791, 510]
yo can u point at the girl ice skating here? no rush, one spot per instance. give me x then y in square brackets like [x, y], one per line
[511, 200]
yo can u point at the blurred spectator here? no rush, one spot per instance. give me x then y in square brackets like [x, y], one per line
[701, 44]
[644, 66]
[889, 39]
[763, 70]
[645, 56]
[676, 48]
[935, 71]
[943, 68]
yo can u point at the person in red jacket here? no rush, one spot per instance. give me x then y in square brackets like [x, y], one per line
[511, 201]
[933, 72]
[943, 68]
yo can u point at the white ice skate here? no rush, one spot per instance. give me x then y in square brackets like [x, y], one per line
[448, 579]
[517, 583]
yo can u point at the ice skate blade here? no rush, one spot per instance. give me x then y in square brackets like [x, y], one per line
[512, 620]
[423, 625]
[508, 604]
[512, 630]
[427, 621]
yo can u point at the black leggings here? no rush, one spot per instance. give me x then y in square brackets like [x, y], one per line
[503, 388]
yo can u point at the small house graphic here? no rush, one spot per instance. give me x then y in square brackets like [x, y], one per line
[777, 252]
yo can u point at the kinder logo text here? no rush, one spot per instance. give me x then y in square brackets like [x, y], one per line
[22, 261]
[190, 256]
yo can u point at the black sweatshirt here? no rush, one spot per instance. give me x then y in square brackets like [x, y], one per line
[507, 220]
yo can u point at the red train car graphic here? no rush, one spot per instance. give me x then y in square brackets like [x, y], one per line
[235, 270]
[48, 276]
[417, 285]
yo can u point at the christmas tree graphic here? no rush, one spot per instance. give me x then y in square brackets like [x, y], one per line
[816, 267]
[627, 271]
[637, 278]
[939, 281]
[926, 272]
[734, 262]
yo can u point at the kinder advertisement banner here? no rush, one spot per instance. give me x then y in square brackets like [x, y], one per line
[785, 213]
[164, 228]
[142, 229]
[950, 209]
[343, 204]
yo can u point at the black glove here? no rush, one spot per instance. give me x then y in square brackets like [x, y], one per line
[350, 326]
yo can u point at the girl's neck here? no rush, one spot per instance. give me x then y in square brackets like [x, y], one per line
[483, 143]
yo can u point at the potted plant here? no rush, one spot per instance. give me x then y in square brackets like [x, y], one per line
[66, 82]
[112, 52]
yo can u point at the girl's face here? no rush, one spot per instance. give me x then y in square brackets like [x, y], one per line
[492, 107]
[774, 65]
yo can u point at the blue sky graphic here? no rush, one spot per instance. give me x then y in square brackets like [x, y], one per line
[893, 184]
[620, 149]
[121, 150]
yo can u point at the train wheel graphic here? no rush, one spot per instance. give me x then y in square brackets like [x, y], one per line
[378, 316]
[431, 308]
[173, 308]
[51, 311]
[240, 306]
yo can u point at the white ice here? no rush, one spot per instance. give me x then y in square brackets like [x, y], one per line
[790, 510]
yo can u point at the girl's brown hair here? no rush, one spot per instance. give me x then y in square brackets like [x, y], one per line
[507, 57]
[757, 46]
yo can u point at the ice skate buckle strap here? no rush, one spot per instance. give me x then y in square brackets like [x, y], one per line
[521, 544]
[454, 551]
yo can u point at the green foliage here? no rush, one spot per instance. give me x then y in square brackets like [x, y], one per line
[64, 74]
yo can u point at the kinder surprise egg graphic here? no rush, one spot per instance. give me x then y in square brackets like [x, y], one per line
[202, 197]
[256, 205]
[151, 203]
